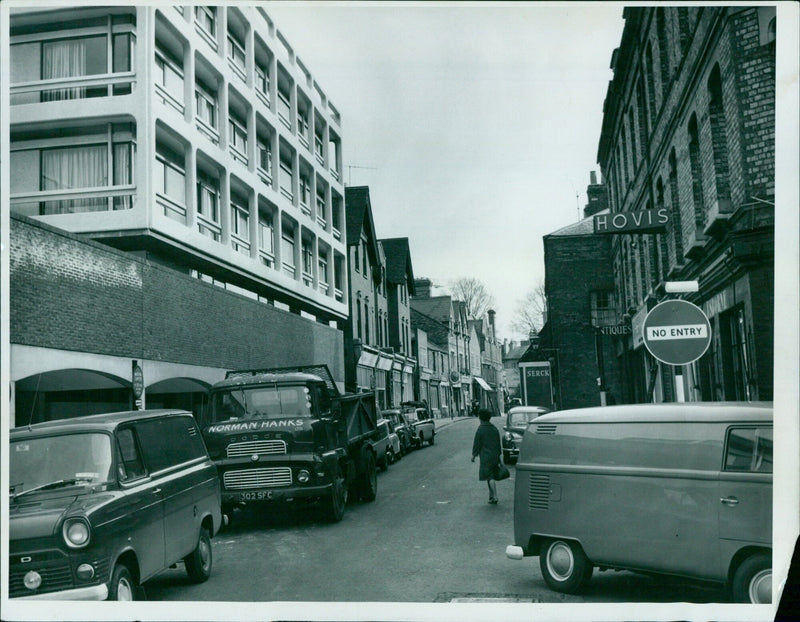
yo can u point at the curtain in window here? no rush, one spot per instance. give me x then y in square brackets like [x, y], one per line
[75, 167]
[63, 59]
[122, 174]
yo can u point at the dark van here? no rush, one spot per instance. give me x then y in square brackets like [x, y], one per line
[681, 489]
[100, 504]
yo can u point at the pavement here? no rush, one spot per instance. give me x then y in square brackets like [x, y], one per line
[443, 422]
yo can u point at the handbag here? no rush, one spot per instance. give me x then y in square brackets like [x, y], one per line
[502, 472]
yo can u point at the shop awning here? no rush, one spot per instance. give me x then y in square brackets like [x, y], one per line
[367, 359]
[384, 363]
[408, 369]
[397, 366]
[483, 384]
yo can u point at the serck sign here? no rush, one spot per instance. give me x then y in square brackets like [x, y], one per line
[642, 221]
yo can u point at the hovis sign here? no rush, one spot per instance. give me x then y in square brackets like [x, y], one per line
[642, 221]
[676, 332]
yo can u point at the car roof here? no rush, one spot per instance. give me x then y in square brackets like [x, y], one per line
[664, 412]
[100, 422]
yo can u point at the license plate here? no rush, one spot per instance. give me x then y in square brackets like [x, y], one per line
[260, 495]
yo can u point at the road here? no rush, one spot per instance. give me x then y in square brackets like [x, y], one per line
[430, 536]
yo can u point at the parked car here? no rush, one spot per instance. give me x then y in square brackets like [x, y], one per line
[401, 428]
[517, 420]
[386, 445]
[423, 428]
[681, 489]
[100, 504]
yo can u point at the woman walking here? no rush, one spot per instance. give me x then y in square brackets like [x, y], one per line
[487, 446]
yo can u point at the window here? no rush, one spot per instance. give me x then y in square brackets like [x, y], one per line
[208, 206]
[302, 124]
[262, 83]
[356, 260]
[68, 58]
[287, 250]
[129, 461]
[237, 138]
[170, 182]
[321, 221]
[266, 237]
[284, 105]
[750, 450]
[286, 176]
[602, 308]
[318, 152]
[240, 225]
[206, 19]
[168, 79]
[308, 262]
[206, 106]
[697, 177]
[323, 273]
[336, 217]
[305, 193]
[265, 160]
[236, 55]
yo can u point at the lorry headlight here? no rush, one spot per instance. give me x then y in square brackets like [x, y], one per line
[76, 532]
[303, 476]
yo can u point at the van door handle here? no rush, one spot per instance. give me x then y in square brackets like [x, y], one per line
[156, 491]
[730, 501]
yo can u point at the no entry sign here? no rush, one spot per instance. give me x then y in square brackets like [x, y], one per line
[676, 332]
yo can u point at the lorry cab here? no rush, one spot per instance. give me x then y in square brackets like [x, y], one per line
[682, 489]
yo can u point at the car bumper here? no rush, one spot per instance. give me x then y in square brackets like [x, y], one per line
[274, 495]
[93, 592]
[514, 552]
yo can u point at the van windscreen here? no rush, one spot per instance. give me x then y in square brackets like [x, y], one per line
[264, 402]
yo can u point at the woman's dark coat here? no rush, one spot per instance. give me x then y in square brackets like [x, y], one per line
[487, 446]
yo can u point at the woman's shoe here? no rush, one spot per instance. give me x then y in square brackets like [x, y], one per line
[493, 500]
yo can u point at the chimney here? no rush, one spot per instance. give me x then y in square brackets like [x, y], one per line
[491, 314]
[422, 287]
[593, 178]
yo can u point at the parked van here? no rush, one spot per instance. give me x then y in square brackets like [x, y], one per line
[681, 489]
[100, 504]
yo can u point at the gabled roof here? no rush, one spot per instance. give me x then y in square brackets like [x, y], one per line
[438, 307]
[398, 262]
[358, 218]
[582, 227]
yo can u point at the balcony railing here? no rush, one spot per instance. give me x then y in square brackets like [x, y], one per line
[79, 88]
[240, 244]
[338, 294]
[207, 130]
[105, 199]
[208, 227]
[267, 258]
[173, 210]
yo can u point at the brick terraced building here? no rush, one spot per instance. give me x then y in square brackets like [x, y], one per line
[176, 204]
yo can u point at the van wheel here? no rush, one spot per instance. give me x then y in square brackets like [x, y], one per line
[430, 442]
[198, 563]
[752, 582]
[368, 484]
[564, 566]
[122, 586]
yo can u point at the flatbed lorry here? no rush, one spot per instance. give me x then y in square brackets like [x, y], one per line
[286, 435]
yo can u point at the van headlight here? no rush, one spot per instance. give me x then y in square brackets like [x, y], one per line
[77, 532]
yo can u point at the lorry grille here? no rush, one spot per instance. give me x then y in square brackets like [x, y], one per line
[539, 492]
[546, 428]
[258, 478]
[248, 448]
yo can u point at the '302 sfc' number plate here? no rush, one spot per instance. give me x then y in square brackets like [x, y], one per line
[261, 495]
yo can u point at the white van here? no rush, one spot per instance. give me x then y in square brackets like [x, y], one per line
[681, 489]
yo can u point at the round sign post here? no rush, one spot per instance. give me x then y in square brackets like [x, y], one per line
[676, 332]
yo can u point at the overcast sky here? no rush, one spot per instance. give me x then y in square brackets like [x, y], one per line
[477, 124]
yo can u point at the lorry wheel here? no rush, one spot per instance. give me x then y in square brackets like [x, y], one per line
[122, 586]
[335, 504]
[752, 582]
[564, 566]
[198, 562]
[368, 488]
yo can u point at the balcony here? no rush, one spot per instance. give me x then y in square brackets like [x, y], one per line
[80, 200]
[61, 89]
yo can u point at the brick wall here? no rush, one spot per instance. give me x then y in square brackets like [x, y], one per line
[72, 294]
[575, 266]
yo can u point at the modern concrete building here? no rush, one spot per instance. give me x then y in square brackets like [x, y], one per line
[193, 144]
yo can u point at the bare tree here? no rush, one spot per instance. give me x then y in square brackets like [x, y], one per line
[530, 311]
[473, 294]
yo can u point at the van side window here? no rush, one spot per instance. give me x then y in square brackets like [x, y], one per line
[129, 461]
[169, 441]
[750, 450]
